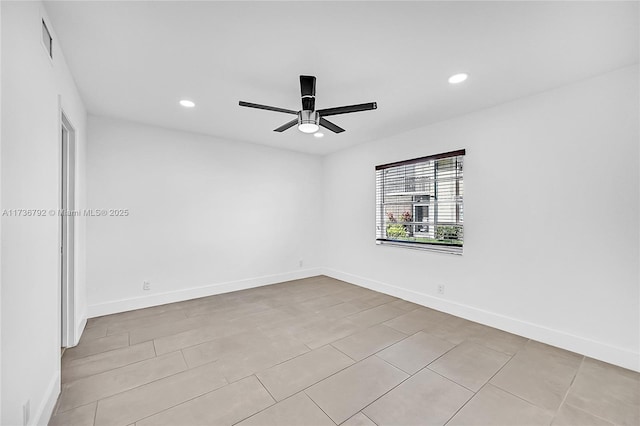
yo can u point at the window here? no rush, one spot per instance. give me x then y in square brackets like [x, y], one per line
[419, 202]
[47, 41]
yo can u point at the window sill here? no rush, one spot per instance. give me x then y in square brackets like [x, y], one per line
[457, 250]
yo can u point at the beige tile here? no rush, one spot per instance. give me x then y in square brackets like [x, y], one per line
[95, 346]
[225, 310]
[540, 374]
[151, 332]
[369, 341]
[265, 318]
[92, 388]
[301, 328]
[404, 305]
[324, 332]
[290, 377]
[216, 349]
[195, 337]
[321, 302]
[470, 365]
[415, 352]
[572, 416]
[424, 399]
[291, 309]
[254, 360]
[376, 299]
[416, 320]
[274, 323]
[133, 323]
[493, 406]
[253, 346]
[224, 406]
[354, 293]
[375, 315]
[607, 391]
[341, 310]
[347, 392]
[149, 399]
[105, 361]
[297, 410]
[500, 341]
[93, 333]
[359, 420]
[80, 416]
[135, 314]
[456, 330]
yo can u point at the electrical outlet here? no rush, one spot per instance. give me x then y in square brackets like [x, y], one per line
[26, 412]
[146, 286]
[441, 289]
[300, 263]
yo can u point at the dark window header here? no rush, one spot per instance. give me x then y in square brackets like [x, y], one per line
[421, 159]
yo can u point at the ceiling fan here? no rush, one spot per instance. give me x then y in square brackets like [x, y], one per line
[308, 119]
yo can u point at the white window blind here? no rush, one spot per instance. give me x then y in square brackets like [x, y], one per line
[419, 202]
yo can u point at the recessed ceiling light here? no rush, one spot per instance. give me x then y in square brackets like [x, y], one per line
[458, 78]
[318, 134]
[187, 103]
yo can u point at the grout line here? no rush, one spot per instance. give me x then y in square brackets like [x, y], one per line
[511, 393]
[265, 388]
[174, 405]
[62, 370]
[411, 375]
[566, 394]
[449, 379]
[125, 390]
[372, 421]
[488, 382]
[183, 402]
[355, 361]
[324, 378]
[319, 407]
[394, 387]
[153, 342]
[95, 414]
[187, 364]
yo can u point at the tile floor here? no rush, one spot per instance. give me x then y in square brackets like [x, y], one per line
[320, 351]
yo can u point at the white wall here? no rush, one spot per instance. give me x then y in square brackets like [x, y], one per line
[0, 210]
[206, 215]
[551, 218]
[30, 170]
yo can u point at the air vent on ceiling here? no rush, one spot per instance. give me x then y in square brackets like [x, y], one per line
[47, 40]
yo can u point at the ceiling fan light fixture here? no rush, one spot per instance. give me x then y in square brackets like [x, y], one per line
[308, 127]
[308, 121]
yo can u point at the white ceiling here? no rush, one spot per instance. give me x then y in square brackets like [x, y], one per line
[135, 60]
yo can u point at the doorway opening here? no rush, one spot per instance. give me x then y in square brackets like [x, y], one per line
[67, 226]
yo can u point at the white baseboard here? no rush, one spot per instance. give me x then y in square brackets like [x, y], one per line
[195, 292]
[594, 349]
[45, 409]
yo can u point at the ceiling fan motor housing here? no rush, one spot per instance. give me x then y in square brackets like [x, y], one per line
[308, 121]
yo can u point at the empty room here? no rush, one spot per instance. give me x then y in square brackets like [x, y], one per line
[320, 213]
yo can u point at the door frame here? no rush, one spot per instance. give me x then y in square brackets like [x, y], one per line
[67, 274]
